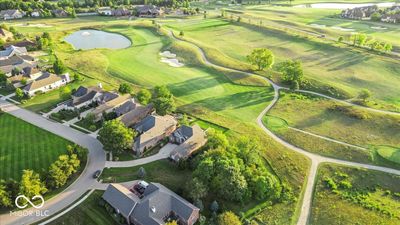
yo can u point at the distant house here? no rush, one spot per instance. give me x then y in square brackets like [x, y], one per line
[106, 97]
[149, 11]
[11, 51]
[152, 130]
[121, 12]
[59, 13]
[189, 140]
[136, 115]
[11, 14]
[83, 97]
[108, 106]
[35, 13]
[391, 18]
[5, 34]
[105, 11]
[150, 204]
[359, 13]
[45, 83]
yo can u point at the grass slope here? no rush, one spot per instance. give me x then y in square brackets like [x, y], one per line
[321, 116]
[24, 146]
[339, 67]
[330, 209]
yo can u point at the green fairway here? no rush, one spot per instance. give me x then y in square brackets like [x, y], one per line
[192, 85]
[389, 153]
[340, 67]
[24, 146]
[274, 122]
[88, 212]
[370, 200]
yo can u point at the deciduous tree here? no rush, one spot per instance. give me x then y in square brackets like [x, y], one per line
[262, 58]
[115, 136]
[144, 96]
[228, 218]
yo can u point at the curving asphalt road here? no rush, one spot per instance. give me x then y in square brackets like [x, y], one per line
[315, 159]
[96, 161]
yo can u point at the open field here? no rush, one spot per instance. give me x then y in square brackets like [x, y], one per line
[24, 146]
[340, 67]
[88, 212]
[326, 118]
[370, 200]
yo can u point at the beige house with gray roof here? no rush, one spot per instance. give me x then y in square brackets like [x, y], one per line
[45, 83]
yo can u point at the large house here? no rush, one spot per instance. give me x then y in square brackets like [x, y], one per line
[83, 97]
[18, 63]
[105, 11]
[59, 13]
[150, 204]
[189, 140]
[11, 51]
[109, 106]
[11, 14]
[136, 115]
[27, 74]
[121, 12]
[152, 130]
[149, 11]
[45, 83]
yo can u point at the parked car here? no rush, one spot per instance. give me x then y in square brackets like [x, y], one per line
[97, 174]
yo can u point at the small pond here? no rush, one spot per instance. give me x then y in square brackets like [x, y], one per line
[344, 5]
[91, 39]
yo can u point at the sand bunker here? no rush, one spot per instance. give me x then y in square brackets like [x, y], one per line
[342, 29]
[317, 25]
[167, 54]
[170, 59]
[379, 28]
[172, 62]
[33, 25]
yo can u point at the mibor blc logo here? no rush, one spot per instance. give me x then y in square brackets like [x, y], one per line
[29, 201]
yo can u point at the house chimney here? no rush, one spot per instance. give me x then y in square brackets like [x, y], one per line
[100, 85]
[153, 209]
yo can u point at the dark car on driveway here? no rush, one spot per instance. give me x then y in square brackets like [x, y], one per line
[97, 174]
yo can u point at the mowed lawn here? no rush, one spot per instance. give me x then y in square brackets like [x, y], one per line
[198, 85]
[340, 67]
[88, 212]
[24, 146]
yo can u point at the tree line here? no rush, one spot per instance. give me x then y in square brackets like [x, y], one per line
[33, 183]
[71, 6]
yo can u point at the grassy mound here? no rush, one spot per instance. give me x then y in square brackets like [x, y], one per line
[389, 153]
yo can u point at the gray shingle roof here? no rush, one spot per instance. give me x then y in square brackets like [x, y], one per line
[121, 198]
[125, 107]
